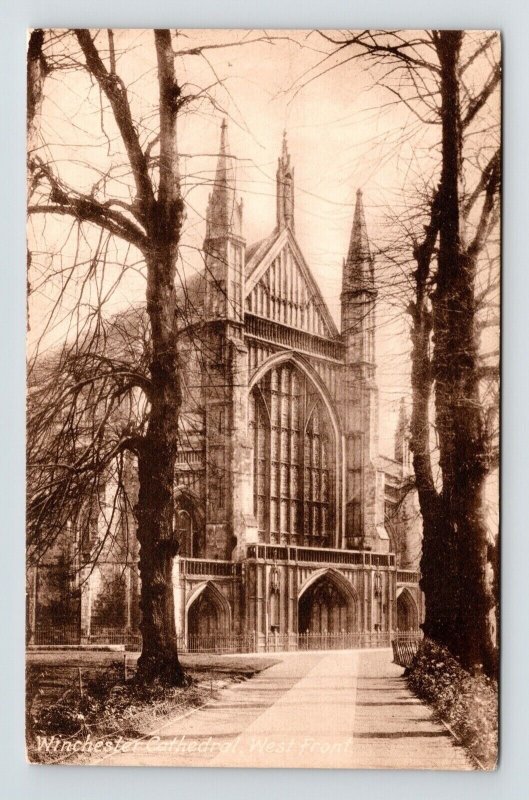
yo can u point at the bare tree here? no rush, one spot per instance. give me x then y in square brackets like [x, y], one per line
[451, 80]
[96, 380]
[105, 414]
[460, 598]
[151, 223]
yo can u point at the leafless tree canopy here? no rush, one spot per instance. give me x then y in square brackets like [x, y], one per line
[107, 205]
[448, 253]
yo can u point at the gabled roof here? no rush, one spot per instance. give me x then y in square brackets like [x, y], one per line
[262, 253]
[256, 252]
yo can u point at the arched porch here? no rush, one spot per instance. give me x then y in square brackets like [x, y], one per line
[208, 612]
[327, 604]
[407, 612]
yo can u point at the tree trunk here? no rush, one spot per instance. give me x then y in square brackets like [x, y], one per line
[37, 70]
[156, 465]
[159, 656]
[456, 374]
[438, 591]
[158, 452]
[438, 601]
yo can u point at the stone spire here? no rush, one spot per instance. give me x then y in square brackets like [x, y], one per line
[360, 393]
[285, 188]
[224, 214]
[358, 270]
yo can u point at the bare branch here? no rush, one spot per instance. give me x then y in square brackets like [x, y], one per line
[116, 92]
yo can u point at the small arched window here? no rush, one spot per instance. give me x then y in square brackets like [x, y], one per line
[184, 527]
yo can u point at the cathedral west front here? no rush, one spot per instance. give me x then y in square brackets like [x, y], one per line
[290, 522]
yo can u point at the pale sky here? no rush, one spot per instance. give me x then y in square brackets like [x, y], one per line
[341, 135]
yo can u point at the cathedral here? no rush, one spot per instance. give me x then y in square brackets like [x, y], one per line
[289, 520]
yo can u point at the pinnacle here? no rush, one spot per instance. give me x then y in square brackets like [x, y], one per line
[223, 217]
[358, 268]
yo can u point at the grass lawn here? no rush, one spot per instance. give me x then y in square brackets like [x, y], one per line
[73, 694]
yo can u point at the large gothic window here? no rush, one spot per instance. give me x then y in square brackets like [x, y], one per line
[294, 457]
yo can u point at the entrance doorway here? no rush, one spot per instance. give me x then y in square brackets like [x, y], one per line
[208, 615]
[326, 607]
[407, 614]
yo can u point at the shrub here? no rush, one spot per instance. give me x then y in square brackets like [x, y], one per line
[467, 703]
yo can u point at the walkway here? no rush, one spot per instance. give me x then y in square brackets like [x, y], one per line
[342, 709]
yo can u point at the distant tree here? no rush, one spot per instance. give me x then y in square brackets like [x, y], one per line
[60, 596]
[109, 606]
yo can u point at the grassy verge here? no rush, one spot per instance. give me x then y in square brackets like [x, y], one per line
[73, 697]
[467, 703]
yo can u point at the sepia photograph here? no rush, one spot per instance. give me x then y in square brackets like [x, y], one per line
[263, 396]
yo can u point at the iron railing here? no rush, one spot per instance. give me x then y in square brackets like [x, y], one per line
[405, 645]
[73, 635]
[193, 643]
[343, 640]
[215, 643]
[283, 642]
[127, 636]
[55, 635]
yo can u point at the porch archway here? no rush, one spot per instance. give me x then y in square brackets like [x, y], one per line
[327, 603]
[407, 612]
[208, 612]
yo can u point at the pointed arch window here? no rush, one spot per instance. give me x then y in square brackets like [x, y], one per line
[184, 526]
[293, 460]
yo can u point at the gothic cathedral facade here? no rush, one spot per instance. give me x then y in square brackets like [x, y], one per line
[289, 520]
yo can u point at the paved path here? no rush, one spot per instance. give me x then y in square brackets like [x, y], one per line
[342, 709]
